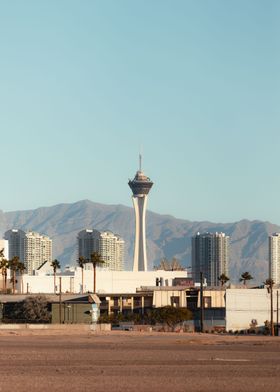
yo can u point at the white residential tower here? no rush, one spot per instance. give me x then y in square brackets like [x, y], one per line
[274, 257]
[110, 246]
[32, 248]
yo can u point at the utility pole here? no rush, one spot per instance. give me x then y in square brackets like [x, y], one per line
[201, 304]
[271, 309]
[60, 300]
[277, 311]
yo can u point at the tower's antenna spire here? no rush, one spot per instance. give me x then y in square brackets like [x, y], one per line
[140, 157]
[140, 162]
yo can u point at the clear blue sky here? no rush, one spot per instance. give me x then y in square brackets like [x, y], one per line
[196, 84]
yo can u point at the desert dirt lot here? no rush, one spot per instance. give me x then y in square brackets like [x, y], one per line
[130, 361]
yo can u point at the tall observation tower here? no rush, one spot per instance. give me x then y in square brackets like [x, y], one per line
[140, 187]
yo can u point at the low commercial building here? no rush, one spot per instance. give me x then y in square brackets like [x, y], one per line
[126, 303]
[64, 309]
[224, 309]
[167, 296]
[214, 311]
[76, 309]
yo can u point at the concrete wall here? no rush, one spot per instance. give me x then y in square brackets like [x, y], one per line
[58, 327]
[106, 281]
[244, 305]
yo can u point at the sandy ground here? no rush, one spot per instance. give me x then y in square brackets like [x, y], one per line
[130, 361]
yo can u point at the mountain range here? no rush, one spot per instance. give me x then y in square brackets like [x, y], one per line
[166, 236]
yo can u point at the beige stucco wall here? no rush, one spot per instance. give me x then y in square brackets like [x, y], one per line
[244, 305]
[164, 297]
[217, 298]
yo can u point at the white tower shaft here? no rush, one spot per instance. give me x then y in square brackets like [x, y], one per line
[140, 257]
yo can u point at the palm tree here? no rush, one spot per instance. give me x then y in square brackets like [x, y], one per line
[245, 277]
[55, 264]
[95, 259]
[13, 266]
[21, 268]
[223, 279]
[269, 284]
[4, 265]
[81, 263]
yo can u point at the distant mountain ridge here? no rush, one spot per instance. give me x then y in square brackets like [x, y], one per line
[166, 236]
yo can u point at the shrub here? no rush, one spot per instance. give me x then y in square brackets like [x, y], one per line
[36, 309]
[169, 315]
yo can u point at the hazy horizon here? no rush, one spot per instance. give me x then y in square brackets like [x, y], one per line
[131, 207]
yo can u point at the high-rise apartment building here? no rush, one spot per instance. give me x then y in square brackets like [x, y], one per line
[210, 256]
[110, 246]
[274, 257]
[32, 248]
[88, 242]
[15, 238]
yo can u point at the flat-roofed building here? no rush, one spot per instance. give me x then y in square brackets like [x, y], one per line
[274, 257]
[111, 248]
[210, 256]
[88, 242]
[15, 238]
[32, 248]
[109, 245]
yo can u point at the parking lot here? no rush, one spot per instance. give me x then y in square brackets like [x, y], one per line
[131, 361]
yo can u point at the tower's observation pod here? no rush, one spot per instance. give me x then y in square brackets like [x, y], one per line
[140, 186]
